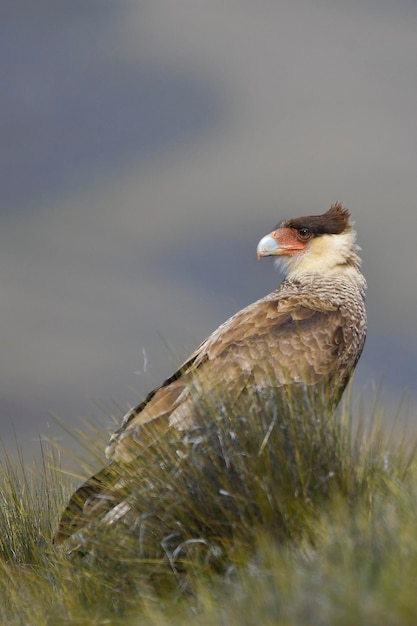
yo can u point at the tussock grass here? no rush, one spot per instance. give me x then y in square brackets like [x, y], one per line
[256, 516]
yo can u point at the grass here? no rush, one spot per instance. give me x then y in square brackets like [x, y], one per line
[254, 517]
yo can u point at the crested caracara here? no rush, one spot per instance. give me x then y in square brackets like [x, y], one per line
[306, 335]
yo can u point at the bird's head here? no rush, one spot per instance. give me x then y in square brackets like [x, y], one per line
[315, 244]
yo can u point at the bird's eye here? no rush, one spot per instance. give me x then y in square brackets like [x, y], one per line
[304, 234]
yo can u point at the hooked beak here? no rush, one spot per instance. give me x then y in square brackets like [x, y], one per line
[268, 246]
[281, 241]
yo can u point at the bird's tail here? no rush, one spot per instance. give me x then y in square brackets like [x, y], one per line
[100, 497]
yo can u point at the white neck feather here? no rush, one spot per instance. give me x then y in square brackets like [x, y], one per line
[327, 255]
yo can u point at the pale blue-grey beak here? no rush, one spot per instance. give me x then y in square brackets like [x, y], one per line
[268, 246]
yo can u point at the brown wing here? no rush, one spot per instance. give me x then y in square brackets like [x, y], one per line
[285, 340]
[281, 340]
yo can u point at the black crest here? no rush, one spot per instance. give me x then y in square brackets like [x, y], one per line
[334, 221]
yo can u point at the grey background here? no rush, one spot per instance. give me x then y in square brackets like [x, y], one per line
[148, 145]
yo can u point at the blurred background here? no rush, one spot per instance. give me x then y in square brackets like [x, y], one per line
[146, 148]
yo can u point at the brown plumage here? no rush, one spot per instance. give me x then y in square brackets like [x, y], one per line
[308, 334]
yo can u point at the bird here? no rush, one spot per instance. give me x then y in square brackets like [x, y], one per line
[307, 335]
